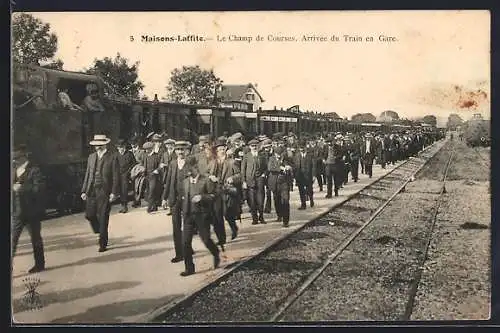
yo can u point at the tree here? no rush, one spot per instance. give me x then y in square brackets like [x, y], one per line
[32, 41]
[193, 85]
[388, 116]
[364, 118]
[121, 77]
[454, 120]
[430, 119]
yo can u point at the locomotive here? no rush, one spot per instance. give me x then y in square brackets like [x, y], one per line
[476, 132]
[58, 136]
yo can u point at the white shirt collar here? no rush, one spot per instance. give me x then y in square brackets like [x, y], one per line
[180, 163]
[194, 180]
[20, 170]
[100, 153]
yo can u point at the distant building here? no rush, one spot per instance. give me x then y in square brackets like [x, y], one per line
[246, 93]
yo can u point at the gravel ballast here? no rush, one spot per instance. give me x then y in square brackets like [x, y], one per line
[254, 291]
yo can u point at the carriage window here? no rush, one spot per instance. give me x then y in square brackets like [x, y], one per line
[75, 89]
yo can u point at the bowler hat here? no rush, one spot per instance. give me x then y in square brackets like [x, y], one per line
[121, 143]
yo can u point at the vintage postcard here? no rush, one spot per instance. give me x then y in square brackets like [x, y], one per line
[203, 167]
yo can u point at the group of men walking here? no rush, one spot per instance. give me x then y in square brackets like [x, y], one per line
[205, 185]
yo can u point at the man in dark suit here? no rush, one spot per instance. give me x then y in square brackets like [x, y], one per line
[354, 151]
[254, 172]
[151, 163]
[304, 166]
[318, 160]
[225, 176]
[197, 201]
[265, 148]
[167, 158]
[28, 205]
[368, 153]
[126, 161]
[173, 194]
[280, 172]
[100, 187]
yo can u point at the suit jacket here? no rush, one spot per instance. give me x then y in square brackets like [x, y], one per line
[171, 191]
[204, 163]
[253, 168]
[166, 158]
[110, 173]
[125, 162]
[371, 153]
[304, 168]
[229, 169]
[28, 201]
[203, 188]
[151, 163]
[276, 175]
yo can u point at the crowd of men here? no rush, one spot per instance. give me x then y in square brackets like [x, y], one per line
[207, 184]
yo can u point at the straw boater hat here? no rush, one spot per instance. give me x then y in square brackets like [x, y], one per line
[170, 142]
[182, 145]
[150, 135]
[100, 140]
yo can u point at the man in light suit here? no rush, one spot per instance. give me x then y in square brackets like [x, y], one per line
[197, 201]
[101, 186]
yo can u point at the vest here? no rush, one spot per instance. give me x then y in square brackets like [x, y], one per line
[98, 177]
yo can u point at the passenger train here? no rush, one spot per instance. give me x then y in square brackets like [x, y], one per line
[58, 137]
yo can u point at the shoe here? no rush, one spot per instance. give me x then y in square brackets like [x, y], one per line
[285, 224]
[234, 233]
[302, 207]
[216, 261]
[36, 269]
[187, 273]
[328, 196]
[321, 189]
[336, 193]
[255, 222]
[262, 221]
[312, 203]
[177, 259]
[102, 249]
[279, 219]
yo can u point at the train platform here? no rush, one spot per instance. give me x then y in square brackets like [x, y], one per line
[134, 280]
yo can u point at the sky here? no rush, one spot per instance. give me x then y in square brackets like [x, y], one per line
[438, 64]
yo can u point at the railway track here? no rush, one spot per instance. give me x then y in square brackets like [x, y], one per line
[266, 286]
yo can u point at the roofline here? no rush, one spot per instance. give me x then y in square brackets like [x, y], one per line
[248, 85]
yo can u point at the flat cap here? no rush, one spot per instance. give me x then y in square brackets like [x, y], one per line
[278, 150]
[148, 145]
[253, 142]
[267, 143]
[236, 136]
[203, 138]
[221, 141]
[156, 137]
